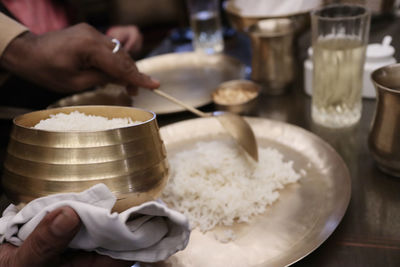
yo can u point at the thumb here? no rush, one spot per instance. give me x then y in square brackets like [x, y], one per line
[50, 238]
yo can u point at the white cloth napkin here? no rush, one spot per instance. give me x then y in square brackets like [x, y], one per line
[150, 232]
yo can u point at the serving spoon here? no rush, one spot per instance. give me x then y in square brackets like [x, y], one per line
[235, 125]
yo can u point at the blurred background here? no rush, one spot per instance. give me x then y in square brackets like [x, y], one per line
[157, 18]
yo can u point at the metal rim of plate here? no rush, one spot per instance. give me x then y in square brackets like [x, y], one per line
[325, 191]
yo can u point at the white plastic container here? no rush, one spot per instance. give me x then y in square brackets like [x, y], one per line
[377, 55]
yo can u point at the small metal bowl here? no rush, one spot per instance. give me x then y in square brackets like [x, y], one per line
[236, 96]
[131, 160]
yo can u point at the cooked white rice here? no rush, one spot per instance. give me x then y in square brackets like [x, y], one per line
[77, 121]
[215, 184]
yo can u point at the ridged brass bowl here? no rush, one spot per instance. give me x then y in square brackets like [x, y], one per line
[131, 160]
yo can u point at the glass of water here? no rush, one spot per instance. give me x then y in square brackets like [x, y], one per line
[205, 22]
[339, 40]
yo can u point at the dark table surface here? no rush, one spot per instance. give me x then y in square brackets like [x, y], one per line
[369, 234]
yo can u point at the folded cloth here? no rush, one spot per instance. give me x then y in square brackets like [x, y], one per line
[150, 232]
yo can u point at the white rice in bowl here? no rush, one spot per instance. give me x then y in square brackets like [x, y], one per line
[214, 183]
[77, 121]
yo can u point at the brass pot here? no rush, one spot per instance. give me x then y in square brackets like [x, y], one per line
[272, 63]
[131, 161]
[384, 137]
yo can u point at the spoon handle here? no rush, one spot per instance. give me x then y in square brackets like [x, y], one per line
[176, 101]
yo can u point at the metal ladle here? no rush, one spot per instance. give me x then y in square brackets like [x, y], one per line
[235, 125]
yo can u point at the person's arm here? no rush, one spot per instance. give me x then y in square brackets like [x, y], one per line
[72, 59]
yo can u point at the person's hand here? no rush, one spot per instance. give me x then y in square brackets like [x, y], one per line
[47, 244]
[129, 36]
[71, 60]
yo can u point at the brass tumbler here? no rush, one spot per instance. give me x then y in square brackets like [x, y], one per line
[272, 54]
[384, 137]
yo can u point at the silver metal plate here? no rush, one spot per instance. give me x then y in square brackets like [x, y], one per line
[190, 77]
[301, 220]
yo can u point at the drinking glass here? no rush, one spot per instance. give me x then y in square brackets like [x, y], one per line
[205, 22]
[339, 40]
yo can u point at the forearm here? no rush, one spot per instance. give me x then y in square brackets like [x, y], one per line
[71, 60]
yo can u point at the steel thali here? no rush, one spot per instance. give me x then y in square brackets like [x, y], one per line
[301, 220]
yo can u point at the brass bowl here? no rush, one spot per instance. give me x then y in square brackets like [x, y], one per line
[246, 106]
[131, 161]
